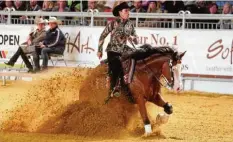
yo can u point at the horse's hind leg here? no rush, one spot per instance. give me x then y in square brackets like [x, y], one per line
[142, 109]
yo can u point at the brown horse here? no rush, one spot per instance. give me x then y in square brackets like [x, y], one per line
[152, 64]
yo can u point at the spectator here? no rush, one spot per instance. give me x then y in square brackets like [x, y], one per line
[138, 7]
[222, 3]
[213, 9]
[212, 24]
[30, 47]
[226, 8]
[19, 5]
[48, 5]
[108, 8]
[54, 42]
[145, 4]
[34, 6]
[9, 5]
[61, 6]
[173, 6]
[152, 7]
[226, 24]
[92, 4]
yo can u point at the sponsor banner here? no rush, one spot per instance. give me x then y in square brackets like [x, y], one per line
[208, 52]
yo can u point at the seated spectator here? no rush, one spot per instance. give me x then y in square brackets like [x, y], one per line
[212, 24]
[54, 42]
[8, 7]
[19, 6]
[138, 7]
[108, 8]
[61, 6]
[145, 4]
[213, 8]
[152, 8]
[92, 4]
[226, 8]
[33, 6]
[47, 5]
[226, 24]
[35, 37]
[173, 6]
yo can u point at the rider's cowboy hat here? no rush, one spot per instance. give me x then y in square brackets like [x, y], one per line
[123, 5]
[54, 20]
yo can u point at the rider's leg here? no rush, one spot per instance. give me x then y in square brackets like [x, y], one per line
[113, 69]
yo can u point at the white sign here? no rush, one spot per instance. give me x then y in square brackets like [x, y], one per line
[208, 52]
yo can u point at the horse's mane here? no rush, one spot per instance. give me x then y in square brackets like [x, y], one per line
[147, 50]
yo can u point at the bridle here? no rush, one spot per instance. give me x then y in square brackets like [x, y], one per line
[168, 84]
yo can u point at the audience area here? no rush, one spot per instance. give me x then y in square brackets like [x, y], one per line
[137, 6]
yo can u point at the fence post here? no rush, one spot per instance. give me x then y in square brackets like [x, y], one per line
[9, 18]
[137, 21]
[183, 19]
[186, 13]
[92, 16]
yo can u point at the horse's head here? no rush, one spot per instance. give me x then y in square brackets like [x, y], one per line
[172, 71]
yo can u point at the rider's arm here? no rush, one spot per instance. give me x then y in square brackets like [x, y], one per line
[104, 34]
[134, 35]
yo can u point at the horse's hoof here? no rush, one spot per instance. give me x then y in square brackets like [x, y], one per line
[162, 118]
[146, 135]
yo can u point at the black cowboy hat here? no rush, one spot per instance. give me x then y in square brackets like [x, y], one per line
[120, 7]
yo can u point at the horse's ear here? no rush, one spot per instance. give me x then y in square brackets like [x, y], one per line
[182, 54]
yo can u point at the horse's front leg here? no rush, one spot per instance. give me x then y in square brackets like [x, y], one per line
[142, 109]
[159, 101]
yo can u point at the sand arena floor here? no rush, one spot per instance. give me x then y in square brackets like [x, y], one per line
[66, 105]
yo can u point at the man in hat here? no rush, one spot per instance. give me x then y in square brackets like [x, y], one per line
[121, 30]
[54, 42]
[35, 37]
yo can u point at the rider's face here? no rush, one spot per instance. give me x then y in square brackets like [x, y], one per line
[124, 14]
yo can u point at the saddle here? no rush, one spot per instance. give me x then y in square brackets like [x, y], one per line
[128, 68]
[129, 59]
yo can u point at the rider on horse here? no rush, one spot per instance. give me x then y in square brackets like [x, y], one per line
[121, 30]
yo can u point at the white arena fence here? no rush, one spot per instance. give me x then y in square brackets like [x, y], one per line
[183, 19]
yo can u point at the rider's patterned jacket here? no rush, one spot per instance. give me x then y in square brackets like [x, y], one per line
[120, 32]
